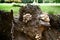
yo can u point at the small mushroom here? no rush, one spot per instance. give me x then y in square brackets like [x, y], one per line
[27, 17]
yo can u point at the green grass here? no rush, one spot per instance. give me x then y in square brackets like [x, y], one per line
[53, 9]
[8, 7]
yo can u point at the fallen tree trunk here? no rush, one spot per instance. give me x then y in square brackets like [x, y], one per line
[5, 25]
